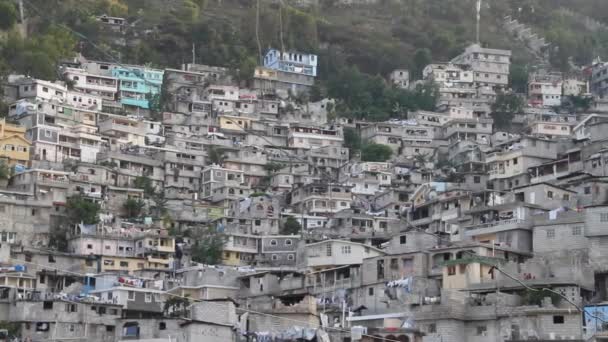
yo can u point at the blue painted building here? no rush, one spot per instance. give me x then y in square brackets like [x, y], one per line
[595, 316]
[137, 84]
[292, 62]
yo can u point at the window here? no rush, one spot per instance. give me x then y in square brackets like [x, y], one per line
[71, 308]
[515, 161]
[47, 305]
[148, 298]
[273, 242]
[558, 319]
[274, 257]
[370, 291]
[402, 239]
[432, 328]
[45, 89]
[550, 194]
[587, 190]
[550, 233]
[328, 249]
[482, 330]
[603, 217]
[42, 326]
[476, 179]
[345, 249]
[577, 230]
[109, 328]
[288, 242]
[124, 264]
[51, 258]
[162, 326]
[291, 257]
[47, 133]
[451, 270]
[89, 246]
[258, 222]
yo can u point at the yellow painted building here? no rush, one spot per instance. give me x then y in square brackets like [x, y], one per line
[235, 123]
[14, 147]
[122, 264]
[462, 273]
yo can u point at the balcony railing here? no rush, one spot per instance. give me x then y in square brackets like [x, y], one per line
[514, 221]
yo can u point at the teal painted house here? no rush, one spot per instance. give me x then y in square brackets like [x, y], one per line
[138, 84]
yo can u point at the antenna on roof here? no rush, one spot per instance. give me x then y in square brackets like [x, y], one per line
[478, 19]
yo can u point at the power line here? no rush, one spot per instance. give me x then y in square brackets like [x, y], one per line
[578, 308]
[82, 36]
[309, 324]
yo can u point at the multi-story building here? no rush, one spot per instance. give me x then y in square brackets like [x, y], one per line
[14, 147]
[400, 78]
[599, 79]
[283, 71]
[489, 67]
[291, 61]
[137, 85]
[545, 89]
[215, 177]
[103, 86]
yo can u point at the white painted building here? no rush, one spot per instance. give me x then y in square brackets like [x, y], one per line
[100, 85]
[312, 137]
[333, 253]
[545, 90]
[400, 78]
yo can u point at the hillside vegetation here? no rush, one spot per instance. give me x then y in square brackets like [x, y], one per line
[354, 43]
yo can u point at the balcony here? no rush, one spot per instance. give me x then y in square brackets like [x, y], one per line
[112, 125]
[498, 226]
[55, 181]
[296, 68]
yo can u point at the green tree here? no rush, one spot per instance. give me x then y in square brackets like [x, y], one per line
[504, 110]
[422, 58]
[518, 78]
[216, 155]
[291, 226]
[246, 69]
[145, 183]
[80, 210]
[175, 306]
[159, 209]
[115, 8]
[580, 103]
[376, 152]
[315, 93]
[8, 14]
[5, 172]
[133, 207]
[352, 139]
[208, 247]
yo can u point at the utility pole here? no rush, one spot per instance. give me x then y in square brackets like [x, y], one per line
[478, 19]
[193, 53]
[21, 10]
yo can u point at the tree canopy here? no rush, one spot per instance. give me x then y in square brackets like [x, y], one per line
[362, 96]
[376, 152]
[80, 210]
[208, 246]
[504, 110]
[8, 14]
[291, 226]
